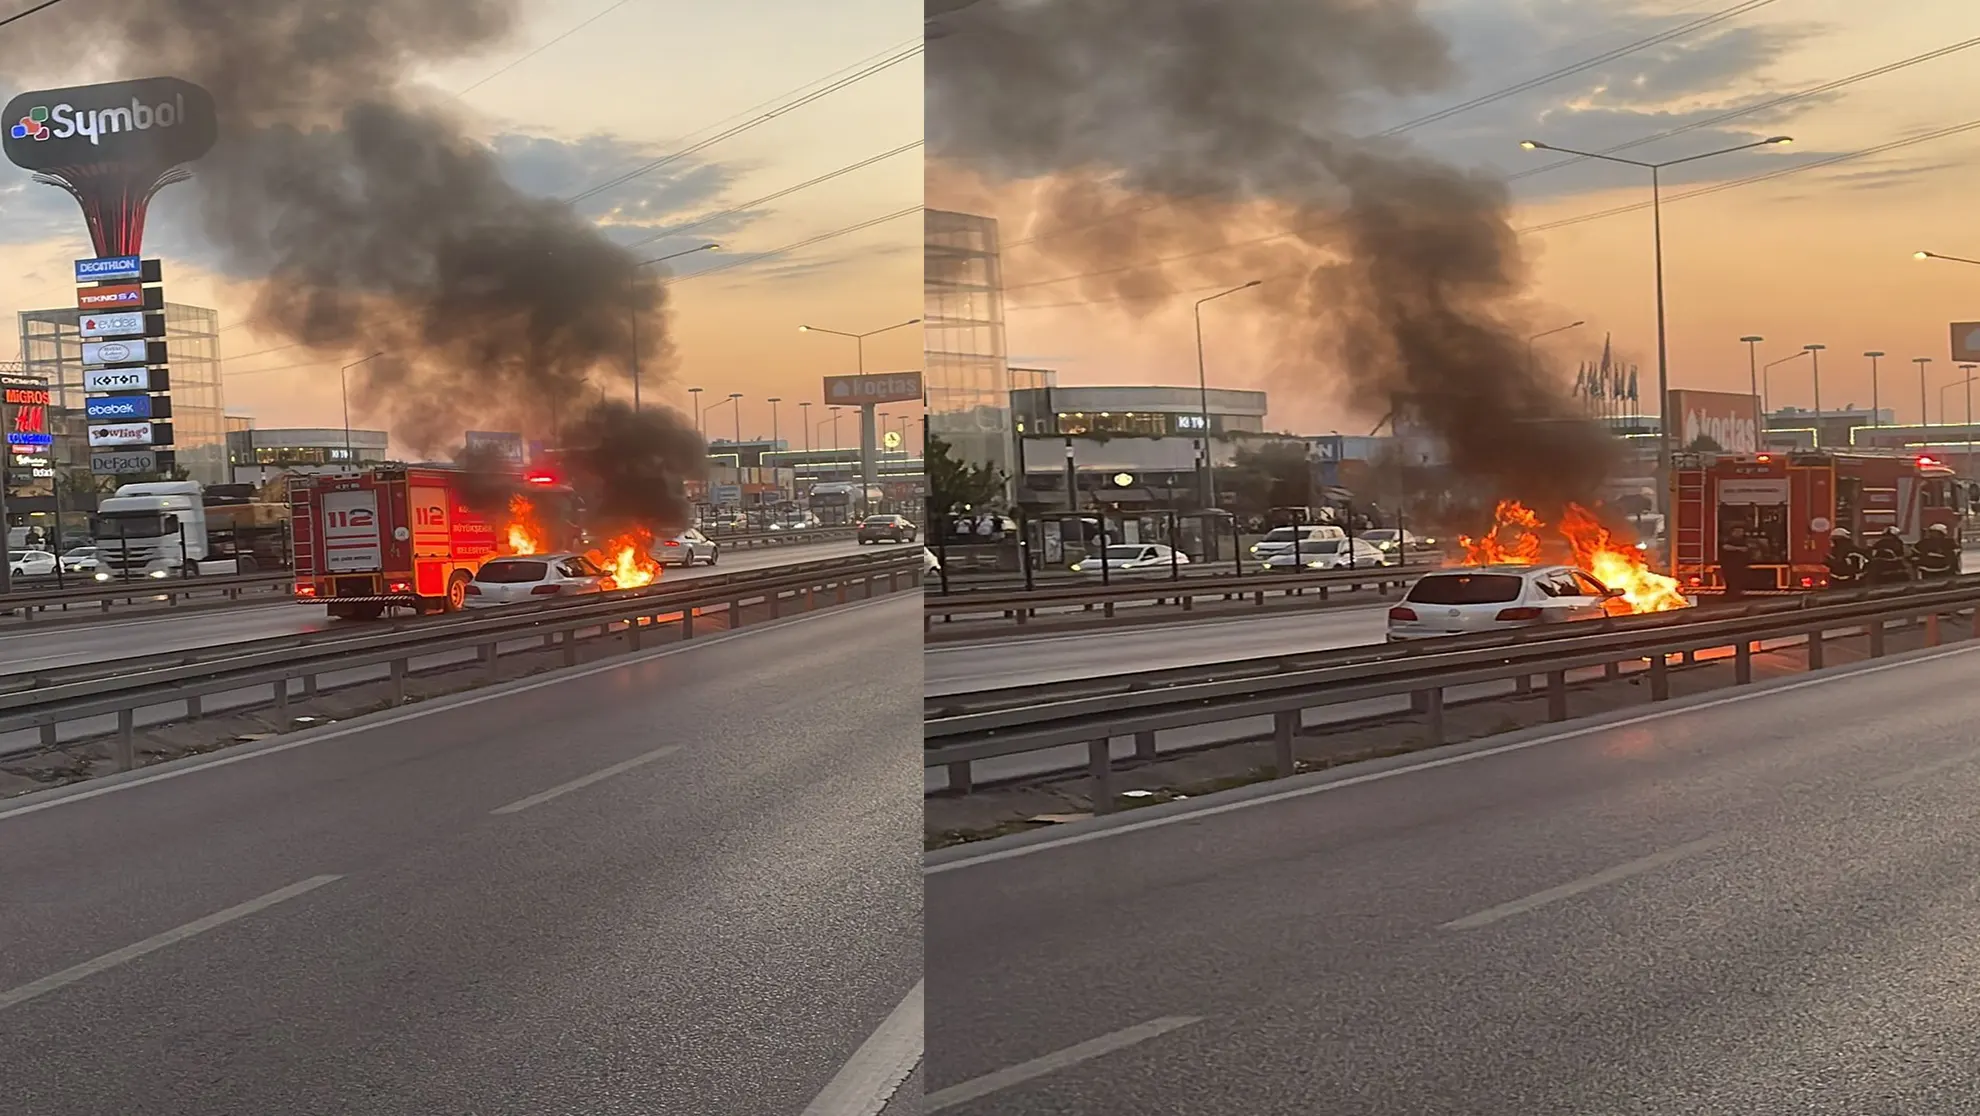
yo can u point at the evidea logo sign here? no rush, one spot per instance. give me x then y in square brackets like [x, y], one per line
[153, 122]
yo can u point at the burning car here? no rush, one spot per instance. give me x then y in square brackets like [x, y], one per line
[1471, 599]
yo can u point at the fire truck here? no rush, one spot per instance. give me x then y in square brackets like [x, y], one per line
[404, 536]
[1790, 501]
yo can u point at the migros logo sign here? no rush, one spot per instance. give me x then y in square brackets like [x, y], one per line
[64, 120]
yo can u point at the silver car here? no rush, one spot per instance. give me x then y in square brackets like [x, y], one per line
[1333, 554]
[688, 548]
[1132, 558]
[1500, 598]
[535, 577]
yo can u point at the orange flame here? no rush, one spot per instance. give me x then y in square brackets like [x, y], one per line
[524, 532]
[628, 558]
[1515, 540]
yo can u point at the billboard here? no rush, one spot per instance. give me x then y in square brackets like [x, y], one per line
[109, 269]
[97, 380]
[123, 324]
[509, 447]
[123, 296]
[1966, 342]
[877, 387]
[151, 122]
[123, 352]
[131, 461]
[112, 408]
[127, 434]
[1728, 420]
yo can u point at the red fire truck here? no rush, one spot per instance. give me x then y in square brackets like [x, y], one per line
[399, 536]
[1789, 502]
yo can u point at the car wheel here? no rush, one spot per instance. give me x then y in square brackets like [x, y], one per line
[712, 556]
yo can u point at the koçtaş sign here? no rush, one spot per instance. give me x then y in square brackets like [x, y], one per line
[155, 122]
[879, 387]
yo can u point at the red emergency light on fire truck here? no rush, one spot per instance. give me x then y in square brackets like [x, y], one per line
[1789, 502]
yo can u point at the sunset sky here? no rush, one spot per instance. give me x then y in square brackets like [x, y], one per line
[642, 80]
[1817, 256]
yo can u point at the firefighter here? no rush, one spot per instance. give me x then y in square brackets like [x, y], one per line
[1937, 554]
[1847, 562]
[1735, 561]
[1889, 564]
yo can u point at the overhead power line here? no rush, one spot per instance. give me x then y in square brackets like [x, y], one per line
[786, 192]
[41, 7]
[539, 50]
[758, 257]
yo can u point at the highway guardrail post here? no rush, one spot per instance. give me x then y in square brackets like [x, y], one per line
[48, 735]
[192, 708]
[1660, 677]
[1433, 715]
[1931, 629]
[126, 739]
[687, 622]
[282, 697]
[487, 653]
[1743, 662]
[570, 647]
[1611, 671]
[1876, 626]
[1144, 745]
[736, 615]
[1285, 725]
[1815, 649]
[961, 779]
[1100, 771]
[1557, 695]
[398, 669]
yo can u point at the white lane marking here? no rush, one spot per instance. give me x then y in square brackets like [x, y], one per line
[1572, 888]
[582, 782]
[428, 709]
[1914, 774]
[198, 926]
[1052, 1063]
[869, 1079]
[1212, 809]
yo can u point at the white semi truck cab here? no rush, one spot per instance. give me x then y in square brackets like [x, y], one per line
[166, 529]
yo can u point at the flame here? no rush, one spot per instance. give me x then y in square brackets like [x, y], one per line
[1515, 540]
[524, 532]
[628, 558]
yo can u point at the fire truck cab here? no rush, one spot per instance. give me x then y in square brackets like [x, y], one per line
[1790, 501]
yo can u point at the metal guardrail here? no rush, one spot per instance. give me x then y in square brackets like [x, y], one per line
[1024, 606]
[100, 596]
[966, 732]
[633, 613]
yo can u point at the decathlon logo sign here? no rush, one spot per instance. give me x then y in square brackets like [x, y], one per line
[155, 122]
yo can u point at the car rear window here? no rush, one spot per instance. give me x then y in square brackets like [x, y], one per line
[512, 573]
[1466, 589]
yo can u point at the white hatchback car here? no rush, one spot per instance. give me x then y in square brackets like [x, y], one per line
[1333, 554]
[1280, 540]
[1131, 558]
[1500, 598]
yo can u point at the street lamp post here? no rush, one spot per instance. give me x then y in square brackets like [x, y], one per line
[1531, 363]
[1657, 241]
[1876, 408]
[735, 397]
[1948, 259]
[868, 475]
[1209, 476]
[859, 339]
[1968, 384]
[774, 400]
[804, 420]
[343, 383]
[632, 301]
[835, 427]
[1924, 412]
[1752, 340]
[1767, 371]
[1815, 357]
[695, 394]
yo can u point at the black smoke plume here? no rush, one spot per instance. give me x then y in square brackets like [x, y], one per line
[1213, 136]
[379, 223]
[629, 465]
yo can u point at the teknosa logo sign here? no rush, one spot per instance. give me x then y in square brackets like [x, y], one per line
[156, 122]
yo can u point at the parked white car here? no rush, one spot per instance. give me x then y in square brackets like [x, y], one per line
[1334, 554]
[1132, 558]
[1500, 598]
[1279, 540]
[33, 563]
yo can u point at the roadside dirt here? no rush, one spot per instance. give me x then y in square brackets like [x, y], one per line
[1020, 806]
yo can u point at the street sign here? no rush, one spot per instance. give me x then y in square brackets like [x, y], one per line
[111, 408]
[727, 495]
[878, 387]
[1966, 342]
[109, 269]
[129, 461]
[509, 447]
[123, 352]
[124, 323]
[893, 440]
[126, 379]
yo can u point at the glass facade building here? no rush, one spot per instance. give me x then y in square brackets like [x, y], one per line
[968, 380]
[51, 348]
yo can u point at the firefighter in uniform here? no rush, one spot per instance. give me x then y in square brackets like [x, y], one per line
[1735, 562]
[1937, 554]
[1889, 564]
[1847, 562]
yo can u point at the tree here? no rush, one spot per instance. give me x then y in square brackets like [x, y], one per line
[1272, 475]
[1704, 444]
[955, 485]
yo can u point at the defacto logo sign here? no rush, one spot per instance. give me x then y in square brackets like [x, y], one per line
[154, 121]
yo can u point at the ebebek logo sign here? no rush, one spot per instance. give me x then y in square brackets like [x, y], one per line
[153, 121]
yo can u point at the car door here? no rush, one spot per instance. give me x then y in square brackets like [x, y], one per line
[1605, 603]
[584, 577]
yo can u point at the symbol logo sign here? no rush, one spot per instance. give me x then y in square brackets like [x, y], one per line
[112, 325]
[109, 269]
[117, 379]
[160, 122]
[121, 434]
[117, 407]
[110, 298]
[113, 352]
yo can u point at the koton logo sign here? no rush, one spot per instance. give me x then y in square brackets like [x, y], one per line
[880, 387]
[127, 296]
[1728, 420]
[113, 325]
[117, 379]
[120, 434]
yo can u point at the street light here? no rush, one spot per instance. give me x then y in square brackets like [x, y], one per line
[1530, 364]
[1753, 376]
[632, 299]
[1876, 409]
[1968, 383]
[695, 394]
[343, 384]
[1924, 412]
[804, 419]
[1948, 259]
[735, 397]
[1657, 239]
[835, 427]
[1815, 357]
[774, 400]
[1766, 372]
[860, 338]
[1203, 398]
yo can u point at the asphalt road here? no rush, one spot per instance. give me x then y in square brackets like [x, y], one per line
[1755, 903]
[56, 646]
[682, 882]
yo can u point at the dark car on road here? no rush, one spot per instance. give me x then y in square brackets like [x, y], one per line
[886, 528]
